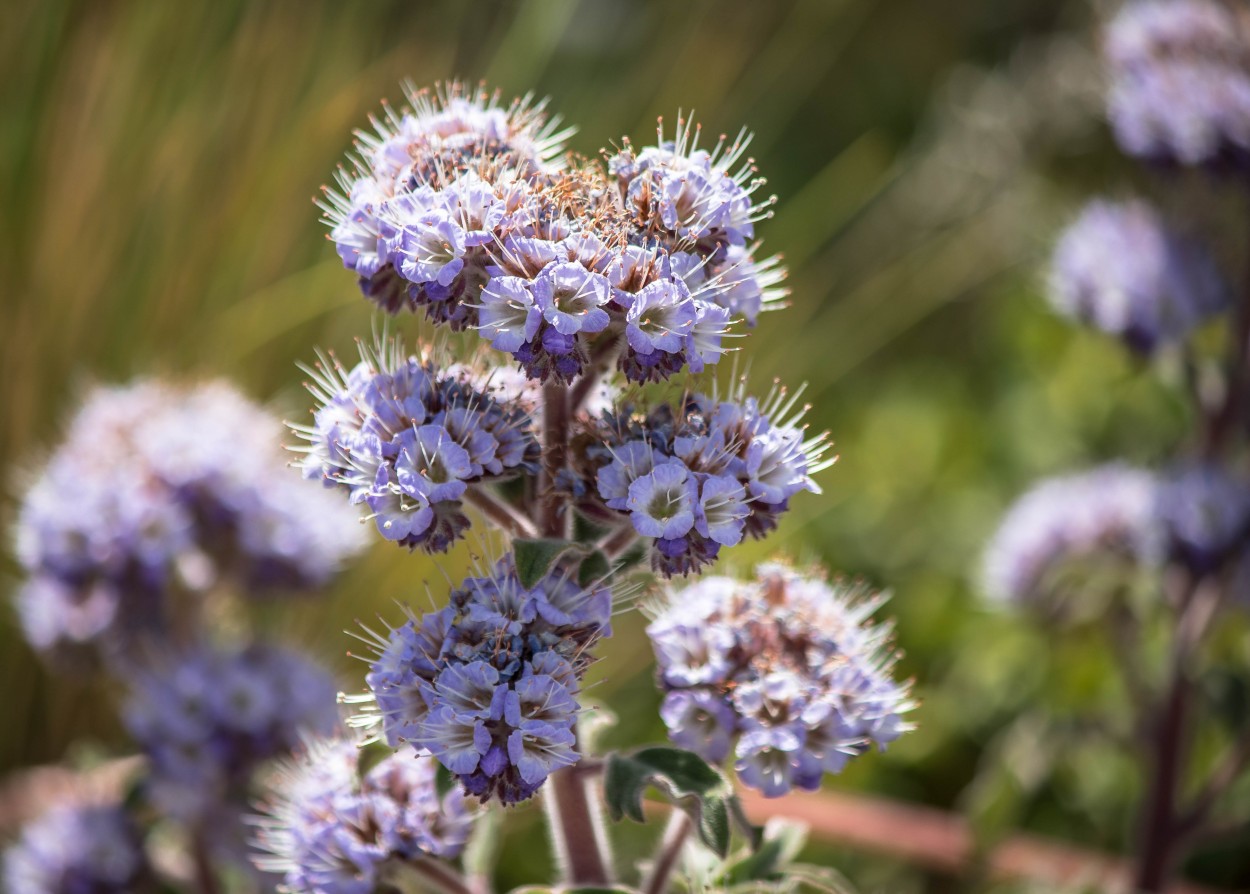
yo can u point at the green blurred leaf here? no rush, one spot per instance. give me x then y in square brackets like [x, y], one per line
[534, 558]
[693, 785]
[370, 756]
[594, 567]
[481, 853]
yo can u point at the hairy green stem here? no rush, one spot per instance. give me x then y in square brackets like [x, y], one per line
[576, 824]
[671, 845]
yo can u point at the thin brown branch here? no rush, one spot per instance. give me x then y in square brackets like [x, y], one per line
[944, 842]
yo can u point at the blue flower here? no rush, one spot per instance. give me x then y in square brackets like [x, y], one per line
[409, 438]
[431, 464]
[783, 671]
[571, 298]
[704, 474]
[1120, 268]
[207, 719]
[1109, 511]
[1180, 82]
[660, 317]
[330, 830]
[432, 250]
[173, 491]
[662, 502]
[508, 315]
[721, 512]
[498, 672]
[77, 848]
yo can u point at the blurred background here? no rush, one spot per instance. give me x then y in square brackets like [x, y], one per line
[158, 162]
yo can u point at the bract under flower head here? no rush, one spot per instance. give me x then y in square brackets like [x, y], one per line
[405, 437]
[330, 830]
[703, 474]
[489, 684]
[158, 488]
[1180, 81]
[784, 672]
[1120, 268]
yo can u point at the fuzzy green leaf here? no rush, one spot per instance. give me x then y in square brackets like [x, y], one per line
[693, 785]
[534, 558]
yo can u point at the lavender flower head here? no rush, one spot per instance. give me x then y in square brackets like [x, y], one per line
[406, 438]
[207, 719]
[158, 489]
[430, 186]
[783, 672]
[1180, 81]
[489, 684]
[1205, 512]
[78, 849]
[702, 475]
[330, 830]
[1120, 268]
[466, 211]
[1110, 510]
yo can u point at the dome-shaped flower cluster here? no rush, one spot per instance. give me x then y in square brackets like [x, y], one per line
[400, 220]
[78, 849]
[489, 684]
[783, 672]
[407, 438]
[1180, 81]
[461, 208]
[701, 475]
[1120, 268]
[1111, 509]
[157, 488]
[208, 718]
[331, 830]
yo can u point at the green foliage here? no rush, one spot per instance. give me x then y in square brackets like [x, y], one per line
[694, 786]
[534, 558]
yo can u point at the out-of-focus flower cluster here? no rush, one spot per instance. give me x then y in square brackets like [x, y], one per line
[489, 684]
[206, 720]
[1120, 268]
[1196, 514]
[155, 489]
[78, 849]
[406, 438]
[701, 475]
[466, 209]
[332, 830]
[784, 672]
[1180, 81]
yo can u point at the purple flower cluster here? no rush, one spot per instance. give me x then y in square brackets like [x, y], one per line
[206, 719]
[432, 187]
[653, 258]
[489, 684]
[1111, 509]
[1180, 81]
[157, 489]
[331, 830]
[783, 672]
[702, 475]
[78, 849]
[1120, 268]
[1205, 512]
[407, 439]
